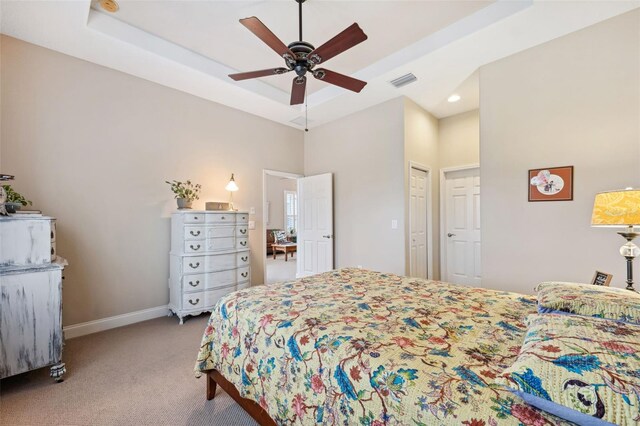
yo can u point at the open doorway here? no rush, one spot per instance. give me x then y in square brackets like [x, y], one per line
[280, 197]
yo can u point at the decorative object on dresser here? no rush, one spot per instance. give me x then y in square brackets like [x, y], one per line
[209, 258]
[30, 296]
[14, 200]
[3, 194]
[231, 187]
[620, 209]
[185, 192]
[601, 278]
[217, 206]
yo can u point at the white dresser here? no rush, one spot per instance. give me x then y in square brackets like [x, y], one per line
[30, 296]
[209, 258]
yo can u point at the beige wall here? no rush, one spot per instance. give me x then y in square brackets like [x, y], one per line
[572, 101]
[275, 195]
[364, 151]
[459, 139]
[92, 147]
[421, 147]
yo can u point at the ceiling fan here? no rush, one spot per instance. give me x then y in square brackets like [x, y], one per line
[302, 57]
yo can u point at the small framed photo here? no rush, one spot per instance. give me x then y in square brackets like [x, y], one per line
[551, 184]
[601, 278]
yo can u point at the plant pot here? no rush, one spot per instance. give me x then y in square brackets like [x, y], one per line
[183, 203]
[12, 207]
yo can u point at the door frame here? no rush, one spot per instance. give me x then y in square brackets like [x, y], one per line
[263, 238]
[427, 170]
[443, 211]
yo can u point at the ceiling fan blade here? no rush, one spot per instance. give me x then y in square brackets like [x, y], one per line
[343, 41]
[298, 90]
[256, 74]
[338, 79]
[256, 26]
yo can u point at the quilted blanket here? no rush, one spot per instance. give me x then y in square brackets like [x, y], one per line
[355, 347]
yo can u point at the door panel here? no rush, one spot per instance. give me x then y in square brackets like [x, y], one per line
[462, 227]
[418, 193]
[315, 236]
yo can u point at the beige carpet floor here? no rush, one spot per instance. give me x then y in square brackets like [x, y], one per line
[140, 374]
[279, 271]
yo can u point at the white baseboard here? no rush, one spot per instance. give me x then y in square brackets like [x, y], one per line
[82, 329]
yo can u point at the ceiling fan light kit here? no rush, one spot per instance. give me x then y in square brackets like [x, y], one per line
[302, 57]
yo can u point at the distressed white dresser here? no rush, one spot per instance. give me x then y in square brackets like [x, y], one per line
[30, 296]
[209, 258]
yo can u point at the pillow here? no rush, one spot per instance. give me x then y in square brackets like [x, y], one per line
[589, 300]
[280, 237]
[585, 370]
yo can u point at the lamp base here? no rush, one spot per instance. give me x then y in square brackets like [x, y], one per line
[630, 251]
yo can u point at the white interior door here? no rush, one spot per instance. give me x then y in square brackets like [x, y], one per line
[418, 192]
[315, 224]
[462, 227]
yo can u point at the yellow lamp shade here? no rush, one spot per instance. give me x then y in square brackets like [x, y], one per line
[617, 208]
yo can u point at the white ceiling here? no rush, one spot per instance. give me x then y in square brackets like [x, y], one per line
[192, 45]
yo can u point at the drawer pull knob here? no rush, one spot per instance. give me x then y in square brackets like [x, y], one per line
[244, 259]
[243, 231]
[194, 303]
[195, 218]
[194, 285]
[195, 234]
[194, 266]
[195, 248]
[222, 218]
[244, 274]
[243, 243]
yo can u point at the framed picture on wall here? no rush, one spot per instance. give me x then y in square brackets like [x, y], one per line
[551, 184]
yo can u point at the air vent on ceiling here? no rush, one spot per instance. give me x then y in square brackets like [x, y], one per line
[403, 80]
[300, 121]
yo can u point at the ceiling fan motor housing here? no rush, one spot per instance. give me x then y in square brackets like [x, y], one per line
[300, 64]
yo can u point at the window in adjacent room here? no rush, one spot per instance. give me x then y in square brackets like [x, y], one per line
[291, 212]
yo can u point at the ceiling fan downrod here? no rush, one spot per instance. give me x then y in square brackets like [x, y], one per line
[300, 16]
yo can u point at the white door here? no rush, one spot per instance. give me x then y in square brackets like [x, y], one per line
[418, 225]
[315, 224]
[462, 227]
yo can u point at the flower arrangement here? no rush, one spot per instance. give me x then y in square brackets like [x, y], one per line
[15, 197]
[185, 192]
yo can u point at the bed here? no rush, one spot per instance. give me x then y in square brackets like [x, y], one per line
[359, 347]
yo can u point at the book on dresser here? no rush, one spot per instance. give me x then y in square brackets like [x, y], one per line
[30, 296]
[209, 258]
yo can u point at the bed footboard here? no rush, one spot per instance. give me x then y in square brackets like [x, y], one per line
[214, 378]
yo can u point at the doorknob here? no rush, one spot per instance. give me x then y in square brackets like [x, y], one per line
[451, 235]
[326, 236]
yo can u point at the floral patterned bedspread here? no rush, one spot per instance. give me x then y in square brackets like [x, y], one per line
[355, 347]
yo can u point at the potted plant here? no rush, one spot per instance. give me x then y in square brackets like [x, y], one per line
[14, 200]
[185, 192]
[292, 235]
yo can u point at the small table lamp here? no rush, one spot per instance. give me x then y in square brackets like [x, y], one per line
[620, 209]
[231, 187]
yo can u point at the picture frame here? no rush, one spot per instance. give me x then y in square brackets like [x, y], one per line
[601, 278]
[550, 184]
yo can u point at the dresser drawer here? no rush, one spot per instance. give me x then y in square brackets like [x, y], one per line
[242, 274]
[220, 262]
[194, 218]
[193, 301]
[217, 244]
[242, 218]
[220, 231]
[244, 285]
[242, 243]
[194, 246]
[243, 259]
[242, 230]
[194, 232]
[191, 283]
[220, 218]
[211, 297]
[220, 279]
[192, 265]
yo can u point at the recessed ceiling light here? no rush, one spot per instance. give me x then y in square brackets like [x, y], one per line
[110, 5]
[454, 98]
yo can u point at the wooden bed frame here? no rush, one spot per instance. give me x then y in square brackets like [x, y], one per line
[214, 378]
